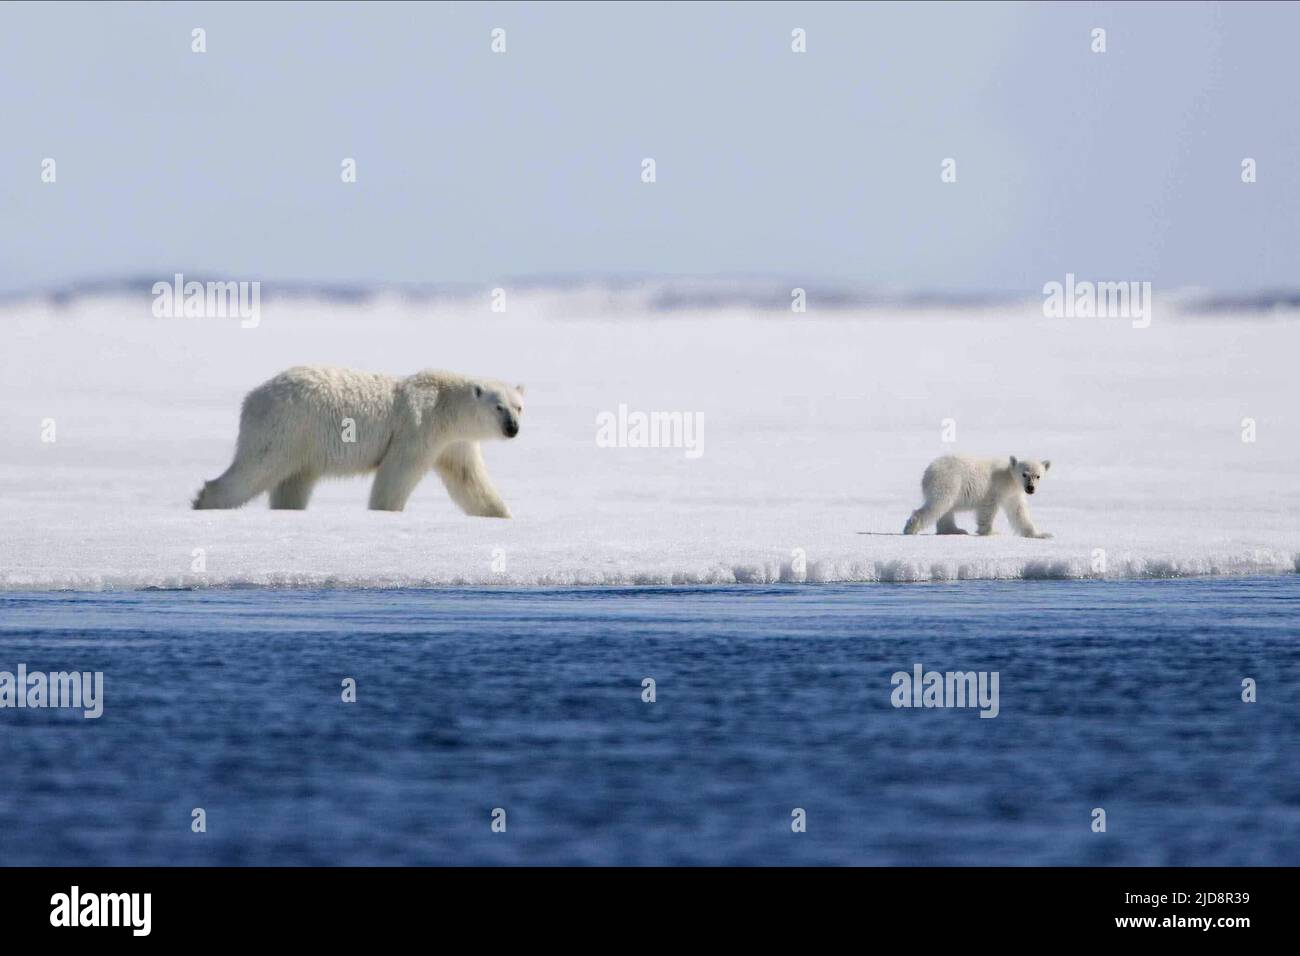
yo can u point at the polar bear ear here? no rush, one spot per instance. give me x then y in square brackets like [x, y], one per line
[1013, 461]
[519, 389]
[1047, 465]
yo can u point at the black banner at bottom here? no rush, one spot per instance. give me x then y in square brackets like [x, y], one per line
[338, 905]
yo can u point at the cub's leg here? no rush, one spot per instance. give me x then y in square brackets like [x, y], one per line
[929, 512]
[294, 492]
[948, 524]
[941, 494]
[1018, 515]
[984, 516]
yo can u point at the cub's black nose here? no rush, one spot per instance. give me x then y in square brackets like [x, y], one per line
[511, 430]
[1029, 489]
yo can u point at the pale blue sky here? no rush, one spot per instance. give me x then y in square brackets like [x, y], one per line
[475, 167]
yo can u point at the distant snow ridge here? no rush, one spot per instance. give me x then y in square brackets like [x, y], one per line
[649, 295]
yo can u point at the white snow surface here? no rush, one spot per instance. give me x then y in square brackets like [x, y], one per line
[816, 431]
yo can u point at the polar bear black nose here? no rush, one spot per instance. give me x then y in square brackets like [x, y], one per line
[511, 429]
[1029, 489]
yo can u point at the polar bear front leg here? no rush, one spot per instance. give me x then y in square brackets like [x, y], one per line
[1018, 515]
[462, 470]
[398, 474]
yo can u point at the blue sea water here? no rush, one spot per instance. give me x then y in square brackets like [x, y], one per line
[1125, 696]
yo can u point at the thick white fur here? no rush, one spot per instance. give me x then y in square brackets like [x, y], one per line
[291, 434]
[983, 485]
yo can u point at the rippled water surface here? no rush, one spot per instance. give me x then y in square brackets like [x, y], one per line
[1124, 696]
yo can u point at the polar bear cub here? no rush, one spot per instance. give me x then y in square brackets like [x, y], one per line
[960, 483]
[312, 422]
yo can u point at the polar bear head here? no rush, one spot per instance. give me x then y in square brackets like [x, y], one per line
[1028, 473]
[495, 409]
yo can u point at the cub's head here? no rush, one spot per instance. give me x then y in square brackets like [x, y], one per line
[497, 408]
[1028, 472]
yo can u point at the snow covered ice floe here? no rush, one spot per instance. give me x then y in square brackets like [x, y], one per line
[816, 431]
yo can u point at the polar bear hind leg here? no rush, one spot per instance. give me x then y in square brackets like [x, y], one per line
[948, 524]
[294, 492]
[987, 511]
[462, 470]
[926, 515]
[246, 478]
[941, 494]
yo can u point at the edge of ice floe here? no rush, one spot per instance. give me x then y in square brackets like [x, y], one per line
[897, 571]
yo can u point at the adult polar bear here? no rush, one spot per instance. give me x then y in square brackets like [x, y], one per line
[312, 422]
